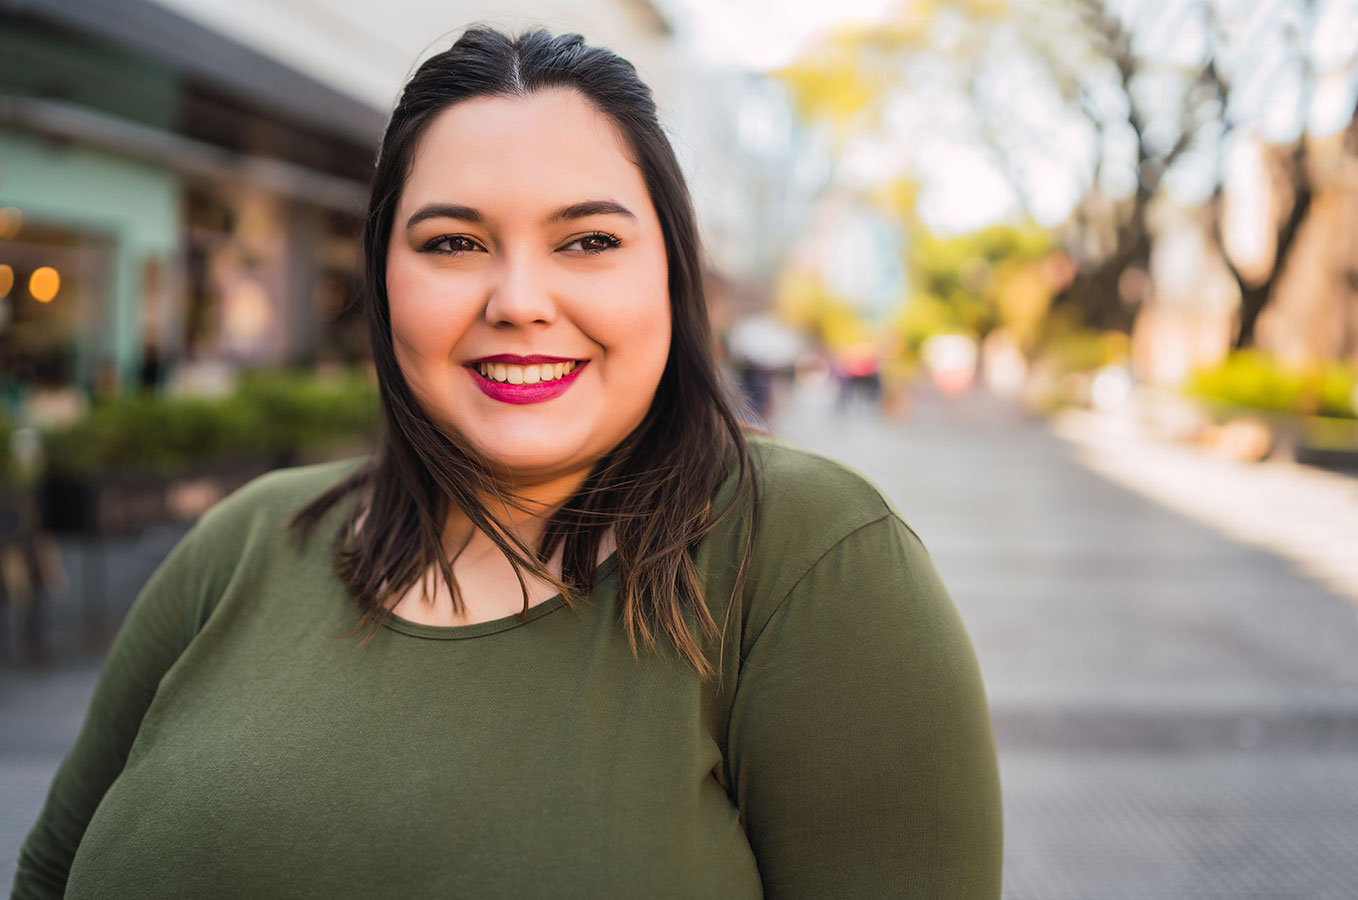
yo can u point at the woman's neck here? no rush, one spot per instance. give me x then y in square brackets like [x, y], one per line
[521, 507]
[488, 586]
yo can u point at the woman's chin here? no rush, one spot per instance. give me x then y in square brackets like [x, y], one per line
[526, 468]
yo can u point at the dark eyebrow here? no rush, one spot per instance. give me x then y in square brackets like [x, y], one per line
[590, 208]
[580, 210]
[445, 211]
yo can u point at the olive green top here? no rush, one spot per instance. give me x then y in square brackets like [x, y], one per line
[242, 742]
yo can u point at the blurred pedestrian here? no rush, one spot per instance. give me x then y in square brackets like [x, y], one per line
[859, 368]
[571, 632]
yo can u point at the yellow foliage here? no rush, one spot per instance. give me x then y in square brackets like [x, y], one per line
[1067, 346]
[848, 76]
[923, 316]
[1023, 295]
[988, 9]
[898, 199]
[1116, 346]
[804, 303]
[798, 297]
[842, 328]
[829, 86]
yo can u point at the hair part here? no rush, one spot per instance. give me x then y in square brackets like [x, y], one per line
[654, 491]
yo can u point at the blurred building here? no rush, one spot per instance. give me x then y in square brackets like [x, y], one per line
[758, 177]
[196, 198]
[187, 177]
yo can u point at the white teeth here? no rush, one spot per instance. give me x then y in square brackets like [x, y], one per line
[525, 374]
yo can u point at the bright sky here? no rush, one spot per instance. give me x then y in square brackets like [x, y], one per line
[964, 192]
[767, 34]
[963, 188]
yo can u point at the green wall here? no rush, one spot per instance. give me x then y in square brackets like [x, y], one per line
[135, 204]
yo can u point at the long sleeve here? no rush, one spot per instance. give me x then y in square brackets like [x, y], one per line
[165, 617]
[862, 758]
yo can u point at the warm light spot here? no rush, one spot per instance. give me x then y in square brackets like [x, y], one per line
[44, 283]
[10, 220]
[247, 313]
[6, 279]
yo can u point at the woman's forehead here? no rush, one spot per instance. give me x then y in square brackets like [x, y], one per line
[544, 148]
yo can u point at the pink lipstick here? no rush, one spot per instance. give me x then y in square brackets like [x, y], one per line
[511, 359]
[484, 369]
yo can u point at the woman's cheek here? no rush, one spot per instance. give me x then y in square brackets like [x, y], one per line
[639, 307]
[426, 316]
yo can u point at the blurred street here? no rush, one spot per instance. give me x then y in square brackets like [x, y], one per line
[1177, 712]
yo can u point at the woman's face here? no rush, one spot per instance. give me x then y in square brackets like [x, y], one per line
[527, 282]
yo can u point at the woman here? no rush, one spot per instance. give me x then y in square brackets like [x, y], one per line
[606, 645]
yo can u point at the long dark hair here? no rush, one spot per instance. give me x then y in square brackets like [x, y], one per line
[655, 490]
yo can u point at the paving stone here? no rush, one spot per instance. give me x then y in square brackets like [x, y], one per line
[1255, 827]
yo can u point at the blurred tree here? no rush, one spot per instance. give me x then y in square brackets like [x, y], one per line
[1295, 70]
[1296, 176]
[1110, 282]
[806, 303]
[1091, 112]
[976, 282]
[1245, 72]
[988, 279]
[1257, 289]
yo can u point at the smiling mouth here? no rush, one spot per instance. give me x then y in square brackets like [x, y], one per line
[538, 373]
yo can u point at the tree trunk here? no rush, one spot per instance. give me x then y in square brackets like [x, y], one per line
[1095, 291]
[1255, 297]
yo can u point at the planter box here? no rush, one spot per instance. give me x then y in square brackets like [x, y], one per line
[1312, 440]
[1242, 433]
[189, 495]
[103, 505]
[18, 513]
[127, 502]
[1328, 442]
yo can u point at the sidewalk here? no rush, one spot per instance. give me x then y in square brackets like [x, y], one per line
[1306, 514]
[1176, 711]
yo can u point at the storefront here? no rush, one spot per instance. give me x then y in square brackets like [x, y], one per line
[181, 200]
[107, 228]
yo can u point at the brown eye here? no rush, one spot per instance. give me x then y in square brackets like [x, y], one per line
[597, 242]
[452, 243]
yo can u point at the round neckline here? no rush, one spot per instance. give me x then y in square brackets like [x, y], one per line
[602, 573]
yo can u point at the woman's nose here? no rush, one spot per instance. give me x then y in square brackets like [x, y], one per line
[520, 295]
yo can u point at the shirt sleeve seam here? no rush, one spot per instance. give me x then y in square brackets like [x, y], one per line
[906, 525]
[777, 608]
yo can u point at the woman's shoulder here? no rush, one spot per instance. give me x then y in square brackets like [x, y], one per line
[825, 534]
[812, 493]
[274, 497]
[807, 506]
[251, 523]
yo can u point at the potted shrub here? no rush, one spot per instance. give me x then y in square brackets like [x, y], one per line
[18, 505]
[1308, 412]
[142, 459]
